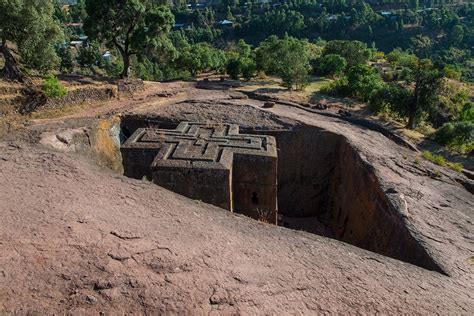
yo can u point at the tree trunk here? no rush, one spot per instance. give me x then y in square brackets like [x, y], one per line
[411, 119]
[126, 66]
[11, 70]
[413, 107]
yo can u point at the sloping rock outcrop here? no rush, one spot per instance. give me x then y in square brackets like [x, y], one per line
[78, 238]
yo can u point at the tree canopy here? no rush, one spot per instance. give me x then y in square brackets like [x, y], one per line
[354, 52]
[28, 32]
[201, 57]
[427, 81]
[288, 58]
[330, 65]
[241, 62]
[133, 27]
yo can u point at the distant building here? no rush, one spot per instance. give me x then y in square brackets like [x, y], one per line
[68, 2]
[225, 23]
[107, 55]
[77, 43]
[196, 6]
[385, 13]
[73, 24]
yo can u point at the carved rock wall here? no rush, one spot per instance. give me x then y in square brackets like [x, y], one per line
[321, 176]
[325, 187]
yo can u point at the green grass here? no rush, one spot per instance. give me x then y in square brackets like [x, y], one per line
[436, 159]
[315, 84]
[456, 166]
[440, 161]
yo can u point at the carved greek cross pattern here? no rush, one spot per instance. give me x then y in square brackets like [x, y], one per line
[208, 162]
[199, 142]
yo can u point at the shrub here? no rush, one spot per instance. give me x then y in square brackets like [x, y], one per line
[248, 67]
[364, 81]
[452, 71]
[338, 88]
[296, 77]
[380, 101]
[233, 68]
[445, 134]
[458, 136]
[437, 159]
[330, 65]
[389, 76]
[113, 67]
[245, 67]
[140, 70]
[467, 112]
[52, 88]
[405, 74]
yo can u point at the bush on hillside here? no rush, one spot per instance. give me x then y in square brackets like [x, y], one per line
[337, 88]
[458, 136]
[52, 88]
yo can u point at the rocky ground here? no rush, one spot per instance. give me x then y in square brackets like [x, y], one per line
[77, 237]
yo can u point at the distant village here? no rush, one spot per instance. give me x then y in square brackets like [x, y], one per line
[79, 39]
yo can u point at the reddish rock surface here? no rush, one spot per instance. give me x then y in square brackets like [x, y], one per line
[79, 238]
[76, 238]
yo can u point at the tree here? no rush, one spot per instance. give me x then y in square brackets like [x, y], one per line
[241, 61]
[233, 68]
[457, 35]
[248, 67]
[243, 49]
[274, 22]
[427, 81]
[201, 57]
[354, 52]
[29, 26]
[78, 11]
[416, 96]
[364, 81]
[67, 64]
[330, 65]
[287, 58]
[133, 27]
[88, 57]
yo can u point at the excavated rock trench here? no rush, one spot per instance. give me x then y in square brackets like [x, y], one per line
[326, 188]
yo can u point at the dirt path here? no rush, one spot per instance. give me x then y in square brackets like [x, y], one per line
[149, 97]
